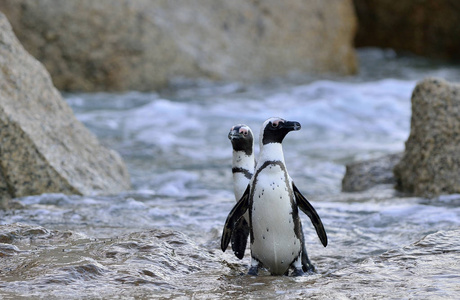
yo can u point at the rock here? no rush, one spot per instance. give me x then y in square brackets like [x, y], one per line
[5, 196]
[91, 45]
[43, 147]
[364, 175]
[431, 162]
[421, 27]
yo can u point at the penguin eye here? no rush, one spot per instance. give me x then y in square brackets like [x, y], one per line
[276, 123]
[245, 132]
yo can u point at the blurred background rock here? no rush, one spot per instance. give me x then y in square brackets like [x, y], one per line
[423, 27]
[115, 45]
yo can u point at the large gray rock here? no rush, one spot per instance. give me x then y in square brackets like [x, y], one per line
[140, 45]
[431, 162]
[43, 147]
[363, 175]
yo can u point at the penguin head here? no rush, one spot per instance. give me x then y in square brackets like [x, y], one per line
[242, 138]
[275, 129]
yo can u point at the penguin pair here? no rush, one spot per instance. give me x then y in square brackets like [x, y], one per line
[268, 203]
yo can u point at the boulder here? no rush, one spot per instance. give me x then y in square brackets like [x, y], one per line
[427, 28]
[43, 147]
[141, 45]
[363, 175]
[431, 162]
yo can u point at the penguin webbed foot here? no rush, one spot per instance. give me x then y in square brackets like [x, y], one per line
[308, 268]
[298, 272]
[309, 271]
[253, 271]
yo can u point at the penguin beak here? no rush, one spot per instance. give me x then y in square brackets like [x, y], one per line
[234, 134]
[239, 132]
[292, 125]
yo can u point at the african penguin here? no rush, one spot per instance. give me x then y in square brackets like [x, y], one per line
[243, 161]
[272, 200]
[243, 164]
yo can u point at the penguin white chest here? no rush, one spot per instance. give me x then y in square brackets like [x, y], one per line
[275, 242]
[240, 182]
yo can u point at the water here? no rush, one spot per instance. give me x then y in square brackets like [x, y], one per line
[161, 239]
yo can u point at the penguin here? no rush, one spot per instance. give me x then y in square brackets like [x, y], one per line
[272, 200]
[243, 163]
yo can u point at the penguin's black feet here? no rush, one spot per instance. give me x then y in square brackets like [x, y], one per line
[297, 272]
[309, 268]
[253, 271]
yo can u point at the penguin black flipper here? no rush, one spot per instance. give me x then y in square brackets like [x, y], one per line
[240, 237]
[235, 214]
[310, 211]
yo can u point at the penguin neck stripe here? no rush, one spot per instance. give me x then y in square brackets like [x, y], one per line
[246, 172]
[272, 162]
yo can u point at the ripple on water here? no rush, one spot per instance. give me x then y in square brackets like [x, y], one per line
[58, 263]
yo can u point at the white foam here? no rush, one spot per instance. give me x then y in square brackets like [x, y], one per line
[340, 120]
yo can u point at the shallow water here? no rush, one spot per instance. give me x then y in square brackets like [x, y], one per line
[161, 239]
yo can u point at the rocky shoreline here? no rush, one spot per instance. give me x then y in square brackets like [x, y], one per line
[430, 164]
